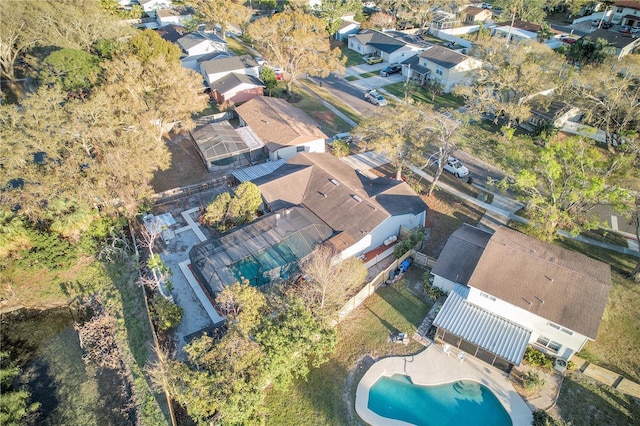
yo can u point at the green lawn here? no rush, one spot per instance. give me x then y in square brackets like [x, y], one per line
[237, 47]
[352, 78]
[420, 94]
[353, 57]
[327, 397]
[329, 122]
[368, 74]
[337, 103]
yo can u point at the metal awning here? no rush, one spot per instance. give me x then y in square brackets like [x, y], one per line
[476, 325]
[255, 172]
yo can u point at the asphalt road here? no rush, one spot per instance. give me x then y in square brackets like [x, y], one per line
[347, 93]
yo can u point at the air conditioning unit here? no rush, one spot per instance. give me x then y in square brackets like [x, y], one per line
[560, 365]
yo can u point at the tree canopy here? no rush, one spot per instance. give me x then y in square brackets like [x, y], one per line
[222, 12]
[298, 43]
[565, 182]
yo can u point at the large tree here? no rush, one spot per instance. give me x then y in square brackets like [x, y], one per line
[73, 69]
[403, 133]
[510, 77]
[298, 43]
[565, 182]
[609, 95]
[329, 280]
[224, 13]
[332, 11]
[589, 51]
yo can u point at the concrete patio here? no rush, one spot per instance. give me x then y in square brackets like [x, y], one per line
[432, 367]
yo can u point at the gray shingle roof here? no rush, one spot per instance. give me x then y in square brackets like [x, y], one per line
[461, 254]
[379, 40]
[233, 80]
[615, 39]
[232, 63]
[193, 39]
[444, 57]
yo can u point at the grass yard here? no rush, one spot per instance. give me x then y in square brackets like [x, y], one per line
[420, 94]
[583, 401]
[353, 57]
[328, 396]
[322, 93]
[618, 342]
[352, 78]
[236, 47]
[329, 122]
[369, 74]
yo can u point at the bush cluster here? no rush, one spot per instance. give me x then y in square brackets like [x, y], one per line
[535, 357]
[405, 245]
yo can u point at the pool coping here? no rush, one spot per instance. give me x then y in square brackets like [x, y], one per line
[433, 367]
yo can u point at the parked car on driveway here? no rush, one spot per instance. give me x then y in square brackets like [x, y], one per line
[455, 167]
[391, 69]
[372, 59]
[340, 136]
[375, 98]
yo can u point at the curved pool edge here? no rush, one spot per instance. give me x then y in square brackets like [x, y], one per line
[434, 367]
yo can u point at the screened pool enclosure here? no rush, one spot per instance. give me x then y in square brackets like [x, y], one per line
[260, 252]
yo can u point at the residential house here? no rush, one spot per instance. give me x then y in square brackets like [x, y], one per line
[554, 112]
[236, 88]
[476, 15]
[362, 212]
[508, 290]
[391, 46]
[172, 33]
[175, 16]
[348, 26]
[311, 199]
[221, 147]
[197, 44]
[151, 6]
[217, 68]
[284, 129]
[626, 12]
[623, 43]
[445, 66]
[443, 20]
[520, 31]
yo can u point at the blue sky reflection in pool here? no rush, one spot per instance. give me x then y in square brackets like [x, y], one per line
[458, 403]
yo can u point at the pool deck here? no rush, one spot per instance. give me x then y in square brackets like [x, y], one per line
[433, 367]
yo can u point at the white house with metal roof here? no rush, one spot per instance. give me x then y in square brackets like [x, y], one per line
[509, 290]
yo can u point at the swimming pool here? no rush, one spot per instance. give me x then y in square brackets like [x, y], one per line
[463, 402]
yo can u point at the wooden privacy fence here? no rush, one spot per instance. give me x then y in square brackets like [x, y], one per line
[371, 287]
[177, 193]
[423, 260]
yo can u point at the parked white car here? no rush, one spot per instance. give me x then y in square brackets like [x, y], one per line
[455, 167]
[375, 98]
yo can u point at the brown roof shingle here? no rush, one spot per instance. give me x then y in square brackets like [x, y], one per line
[560, 285]
[279, 124]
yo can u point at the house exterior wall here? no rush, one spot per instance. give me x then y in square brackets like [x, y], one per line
[391, 226]
[243, 94]
[401, 54]
[443, 283]
[289, 152]
[355, 45]
[154, 5]
[619, 12]
[343, 34]
[450, 77]
[538, 325]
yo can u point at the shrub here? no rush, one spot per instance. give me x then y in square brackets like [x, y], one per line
[405, 245]
[535, 357]
[434, 292]
[166, 315]
[542, 418]
[532, 381]
[340, 148]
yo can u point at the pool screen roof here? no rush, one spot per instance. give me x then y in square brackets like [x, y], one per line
[266, 249]
[491, 332]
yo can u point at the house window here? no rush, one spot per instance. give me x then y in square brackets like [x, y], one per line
[557, 327]
[299, 148]
[439, 71]
[549, 344]
[487, 296]
[619, 10]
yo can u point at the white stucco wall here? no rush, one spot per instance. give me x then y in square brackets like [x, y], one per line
[402, 54]
[460, 74]
[443, 283]
[289, 152]
[538, 325]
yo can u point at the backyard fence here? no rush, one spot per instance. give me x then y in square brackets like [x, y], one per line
[424, 260]
[186, 191]
[371, 287]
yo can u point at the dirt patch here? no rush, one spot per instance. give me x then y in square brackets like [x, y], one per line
[354, 375]
[186, 166]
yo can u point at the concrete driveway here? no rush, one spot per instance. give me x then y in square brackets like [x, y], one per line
[374, 82]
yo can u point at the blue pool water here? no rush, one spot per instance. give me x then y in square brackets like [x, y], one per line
[458, 403]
